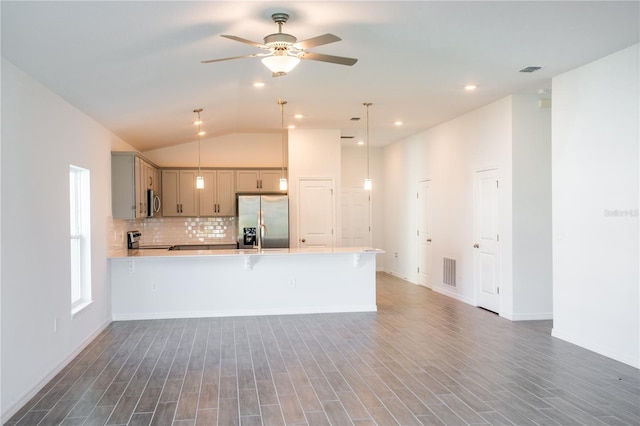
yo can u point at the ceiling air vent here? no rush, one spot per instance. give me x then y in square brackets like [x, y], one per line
[530, 69]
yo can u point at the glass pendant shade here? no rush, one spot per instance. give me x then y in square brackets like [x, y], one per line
[199, 182]
[279, 64]
[368, 185]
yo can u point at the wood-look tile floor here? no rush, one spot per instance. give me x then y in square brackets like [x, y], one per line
[423, 358]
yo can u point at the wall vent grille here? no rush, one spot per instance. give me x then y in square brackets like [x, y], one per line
[530, 69]
[449, 271]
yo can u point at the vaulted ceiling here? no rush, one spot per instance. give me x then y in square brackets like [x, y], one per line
[135, 66]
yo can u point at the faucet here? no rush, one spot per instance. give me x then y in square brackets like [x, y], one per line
[262, 231]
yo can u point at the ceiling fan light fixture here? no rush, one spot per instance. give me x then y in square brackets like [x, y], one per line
[280, 64]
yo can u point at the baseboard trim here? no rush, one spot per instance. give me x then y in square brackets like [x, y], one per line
[244, 313]
[395, 274]
[447, 292]
[534, 316]
[15, 407]
[597, 348]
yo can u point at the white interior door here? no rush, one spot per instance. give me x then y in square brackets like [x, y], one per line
[356, 225]
[316, 213]
[486, 246]
[424, 233]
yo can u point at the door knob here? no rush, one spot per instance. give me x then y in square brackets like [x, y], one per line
[476, 245]
[303, 240]
[428, 240]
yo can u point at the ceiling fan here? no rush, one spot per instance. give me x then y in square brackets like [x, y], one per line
[284, 51]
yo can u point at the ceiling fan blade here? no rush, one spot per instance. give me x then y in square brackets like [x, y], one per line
[233, 57]
[316, 41]
[341, 60]
[245, 41]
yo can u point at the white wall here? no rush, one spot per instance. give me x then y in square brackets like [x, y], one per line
[448, 155]
[237, 150]
[595, 206]
[532, 271]
[41, 136]
[353, 172]
[313, 154]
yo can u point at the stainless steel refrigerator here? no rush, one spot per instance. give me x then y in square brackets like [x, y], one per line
[264, 220]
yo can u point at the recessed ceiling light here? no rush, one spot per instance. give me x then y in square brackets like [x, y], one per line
[298, 116]
[360, 142]
[470, 87]
[202, 133]
[291, 126]
[398, 123]
[258, 84]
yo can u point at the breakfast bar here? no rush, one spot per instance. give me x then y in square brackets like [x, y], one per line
[152, 284]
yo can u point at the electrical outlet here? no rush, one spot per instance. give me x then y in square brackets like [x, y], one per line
[395, 255]
[292, 282]
[132, 266]
[154, 286]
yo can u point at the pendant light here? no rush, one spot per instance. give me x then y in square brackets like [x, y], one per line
[367, 181]
[199, 178]
[283, 177]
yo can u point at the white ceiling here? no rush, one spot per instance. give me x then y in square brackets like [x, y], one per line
[134, 66]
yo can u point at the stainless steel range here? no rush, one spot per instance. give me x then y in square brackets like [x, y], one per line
[133, 242]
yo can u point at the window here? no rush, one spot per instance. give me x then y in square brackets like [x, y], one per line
[80, 229]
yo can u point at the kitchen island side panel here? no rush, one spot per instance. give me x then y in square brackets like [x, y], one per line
[212, 286]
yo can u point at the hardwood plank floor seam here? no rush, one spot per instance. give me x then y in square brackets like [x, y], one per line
[422, 358]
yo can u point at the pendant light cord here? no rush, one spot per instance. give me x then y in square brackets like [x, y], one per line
[198, 111]
[199, 178]
[282, 104]
[367, 104]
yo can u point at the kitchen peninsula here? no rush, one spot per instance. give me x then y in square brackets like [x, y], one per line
[151, 284]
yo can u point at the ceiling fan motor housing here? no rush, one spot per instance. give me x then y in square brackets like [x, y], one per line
[280, 41]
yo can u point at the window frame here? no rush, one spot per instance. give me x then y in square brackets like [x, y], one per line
[79, 238]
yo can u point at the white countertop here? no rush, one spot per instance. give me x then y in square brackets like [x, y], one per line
[159, 253]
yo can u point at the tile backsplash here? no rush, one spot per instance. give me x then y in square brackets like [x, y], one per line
[174, 230]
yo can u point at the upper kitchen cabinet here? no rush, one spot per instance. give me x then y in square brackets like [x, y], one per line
[179, 193]
[151, 176]
[218, 197]
[263, 180]
[131, 177]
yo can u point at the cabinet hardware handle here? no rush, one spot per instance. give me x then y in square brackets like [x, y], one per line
[304, 240]
[428, 240]
[476, 245]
